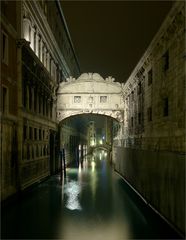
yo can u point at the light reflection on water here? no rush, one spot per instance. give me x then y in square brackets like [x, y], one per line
[86, 204]
[72, 190]
[83, 191]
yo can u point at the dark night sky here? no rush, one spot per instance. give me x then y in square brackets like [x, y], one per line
[110, 37]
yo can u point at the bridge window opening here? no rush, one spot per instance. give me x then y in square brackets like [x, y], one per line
[103, 99]
[77, 99]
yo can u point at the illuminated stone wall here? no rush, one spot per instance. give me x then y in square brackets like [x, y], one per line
[154, 92]
[150, 153]
[33, 66]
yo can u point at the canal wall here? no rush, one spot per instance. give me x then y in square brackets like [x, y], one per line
[158, 177]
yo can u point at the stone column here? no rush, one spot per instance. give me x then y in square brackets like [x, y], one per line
[48, 61]
[37, 44]
[32, 38]
[41, 50]
[44, 61]
[26, 24]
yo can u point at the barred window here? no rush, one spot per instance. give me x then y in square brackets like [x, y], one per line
[150, 77]
[77, 99]
[103, 99]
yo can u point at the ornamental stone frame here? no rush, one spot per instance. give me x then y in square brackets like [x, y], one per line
[90, 93]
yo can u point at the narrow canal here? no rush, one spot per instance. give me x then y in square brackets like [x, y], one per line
[92, 202]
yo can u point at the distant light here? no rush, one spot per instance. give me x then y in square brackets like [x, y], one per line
[79, 167]
[93, 164]
[100, 141]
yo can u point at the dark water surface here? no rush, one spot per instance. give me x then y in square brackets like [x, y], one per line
[93, 202]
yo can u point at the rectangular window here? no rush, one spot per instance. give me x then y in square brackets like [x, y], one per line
[30, 98]
[132, 95]
[150, 77]
[43, 105]
[139, 118]
[39, 103]
[4, 100]
[4, 48]
[51, 109]
[103, 99]
[30, 133]
[149, 114]
[132, 121]
[43, 134]
[77, 99]
[165, 107]
[139, 88]
[35, 133]
[166, 61]
[39, 134]
[24, 132]
[35, 101]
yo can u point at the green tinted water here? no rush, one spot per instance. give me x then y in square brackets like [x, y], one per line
[92, 202]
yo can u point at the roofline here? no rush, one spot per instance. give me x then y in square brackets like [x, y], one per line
[67, 32]
[177, 4]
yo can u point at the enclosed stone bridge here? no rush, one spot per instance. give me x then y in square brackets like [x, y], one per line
[90, 93]
[104, 146]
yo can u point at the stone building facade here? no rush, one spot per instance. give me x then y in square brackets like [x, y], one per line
[9, 102]
[41, 56]
[150, 150]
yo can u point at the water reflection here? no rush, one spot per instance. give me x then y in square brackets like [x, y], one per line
[90, 204]
[72, 190]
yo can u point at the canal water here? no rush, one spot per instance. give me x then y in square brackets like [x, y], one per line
[91, 203]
